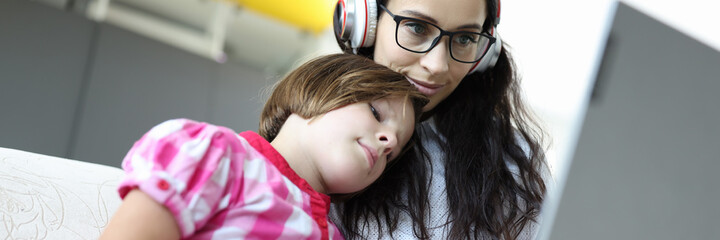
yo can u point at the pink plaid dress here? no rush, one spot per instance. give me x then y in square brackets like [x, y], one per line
[223, 185]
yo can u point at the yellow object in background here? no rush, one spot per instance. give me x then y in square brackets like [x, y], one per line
[312, 15]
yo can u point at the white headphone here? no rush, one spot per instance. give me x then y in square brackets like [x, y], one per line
[355, 22]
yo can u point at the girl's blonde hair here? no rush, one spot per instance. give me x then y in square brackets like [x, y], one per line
[329, 82]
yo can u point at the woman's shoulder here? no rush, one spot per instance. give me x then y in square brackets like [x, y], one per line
[540, 162]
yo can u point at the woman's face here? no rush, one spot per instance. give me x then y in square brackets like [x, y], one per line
[434, 73]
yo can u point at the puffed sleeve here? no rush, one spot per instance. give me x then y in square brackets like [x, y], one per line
[186, 166]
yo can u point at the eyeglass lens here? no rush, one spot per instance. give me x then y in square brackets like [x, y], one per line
[420, 36]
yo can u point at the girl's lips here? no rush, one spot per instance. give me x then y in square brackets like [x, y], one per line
[425, 88]
[369, 154]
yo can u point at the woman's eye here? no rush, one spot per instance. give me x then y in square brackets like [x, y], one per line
[374, 111]
[465, 39]
[416, 27]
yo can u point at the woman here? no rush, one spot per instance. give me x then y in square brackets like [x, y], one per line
[481, 174]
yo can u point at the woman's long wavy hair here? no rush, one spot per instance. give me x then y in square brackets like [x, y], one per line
[486, 127]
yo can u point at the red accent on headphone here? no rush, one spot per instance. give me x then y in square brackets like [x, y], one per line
[475, 65]
[362, 43]
[497, 16]
[344, 17]
[498, 11]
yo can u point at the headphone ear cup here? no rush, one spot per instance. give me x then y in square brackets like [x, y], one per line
[355, 21]
[490, 57]
[372, 23]
[342, 23]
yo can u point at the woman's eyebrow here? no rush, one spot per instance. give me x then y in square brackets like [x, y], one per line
[420, 15]
[432, 20]
[473, 25]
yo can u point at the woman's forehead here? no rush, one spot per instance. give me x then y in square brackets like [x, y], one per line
[446, 13]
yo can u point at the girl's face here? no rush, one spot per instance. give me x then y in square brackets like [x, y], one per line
[434, 73]
[350, 146]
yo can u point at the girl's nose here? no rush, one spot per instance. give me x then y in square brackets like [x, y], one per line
[388, 142]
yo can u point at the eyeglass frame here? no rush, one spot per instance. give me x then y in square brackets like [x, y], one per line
[399, 18]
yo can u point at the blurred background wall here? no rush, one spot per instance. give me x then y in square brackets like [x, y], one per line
[84, 79]
[86, 89]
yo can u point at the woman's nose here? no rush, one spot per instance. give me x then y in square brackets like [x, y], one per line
[436, 60]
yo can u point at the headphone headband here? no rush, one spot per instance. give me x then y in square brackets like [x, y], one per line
[355, 22]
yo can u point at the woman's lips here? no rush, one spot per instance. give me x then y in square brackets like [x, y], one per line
[370, 154]
[425, 88]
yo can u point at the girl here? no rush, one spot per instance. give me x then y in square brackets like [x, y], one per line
[330, 127]
[483, 173]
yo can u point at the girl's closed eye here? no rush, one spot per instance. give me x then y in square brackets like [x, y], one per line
[374, 111]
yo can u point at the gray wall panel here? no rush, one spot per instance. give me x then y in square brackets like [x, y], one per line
[135, 84]
[239, 97]
[43, 53]
[72, 88]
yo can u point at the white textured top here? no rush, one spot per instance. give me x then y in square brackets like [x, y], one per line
[439, 212]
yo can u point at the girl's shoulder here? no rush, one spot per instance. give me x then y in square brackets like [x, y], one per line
[190, 167]
[187, 138]
[179, 150]
[182, 129]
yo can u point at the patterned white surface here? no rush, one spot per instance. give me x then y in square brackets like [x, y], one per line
[45, 197]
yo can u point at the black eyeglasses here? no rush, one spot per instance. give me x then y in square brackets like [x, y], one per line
[420, 36]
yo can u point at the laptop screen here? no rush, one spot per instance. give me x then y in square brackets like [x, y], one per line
[645, 161]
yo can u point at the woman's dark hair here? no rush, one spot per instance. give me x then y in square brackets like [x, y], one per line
[484, 197]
